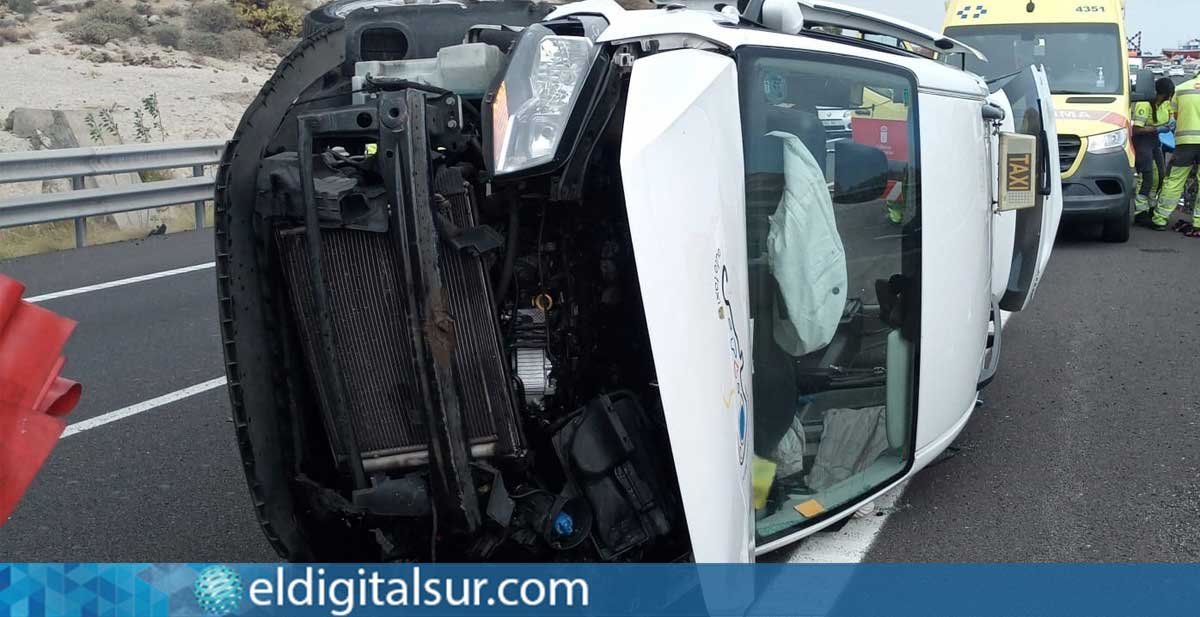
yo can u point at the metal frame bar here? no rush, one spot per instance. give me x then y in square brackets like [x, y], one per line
[407, 176]
[330, 370]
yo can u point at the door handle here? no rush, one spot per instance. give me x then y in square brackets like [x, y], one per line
[1044, 187]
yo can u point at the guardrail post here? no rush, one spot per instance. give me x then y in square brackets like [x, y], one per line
[197, 171]
[81, 222]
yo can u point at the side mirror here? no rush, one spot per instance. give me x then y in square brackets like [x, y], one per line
[860, 173]
[1141, 86]
[782, 16]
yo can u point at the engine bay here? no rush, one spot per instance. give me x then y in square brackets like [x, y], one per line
[464, 361]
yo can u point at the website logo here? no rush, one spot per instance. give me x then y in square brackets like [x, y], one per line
[218, 590]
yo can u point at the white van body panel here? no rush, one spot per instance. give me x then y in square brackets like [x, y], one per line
[699, 27]
[677, 127]
[956, 261]
[685, 194]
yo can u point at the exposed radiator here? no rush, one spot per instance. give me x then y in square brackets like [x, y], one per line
[370, 307]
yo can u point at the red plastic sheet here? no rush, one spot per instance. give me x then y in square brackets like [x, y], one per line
[33, 397]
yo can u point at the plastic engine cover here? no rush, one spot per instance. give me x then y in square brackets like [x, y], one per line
[612, 463]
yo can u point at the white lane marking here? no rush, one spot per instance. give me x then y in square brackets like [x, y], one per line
[137, 408]
[1004, 317]
[129, 281]
[851, 543]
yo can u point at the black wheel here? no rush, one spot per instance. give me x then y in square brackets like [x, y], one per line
[437, 23]
[251, 311]
[1117, 230]
[336, 12]
[323, 16]
[285, 454]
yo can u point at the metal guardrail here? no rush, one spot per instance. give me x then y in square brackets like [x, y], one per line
[80, 163]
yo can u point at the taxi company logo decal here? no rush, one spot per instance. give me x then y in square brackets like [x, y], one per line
[972, 11]
[735, 397]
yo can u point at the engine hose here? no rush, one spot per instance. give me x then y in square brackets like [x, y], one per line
[510, 253]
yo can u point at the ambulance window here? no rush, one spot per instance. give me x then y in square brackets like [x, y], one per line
[1078, 58]
[833, 225]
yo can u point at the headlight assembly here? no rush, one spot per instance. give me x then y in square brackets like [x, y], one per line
[1105, 143]
[531, 107]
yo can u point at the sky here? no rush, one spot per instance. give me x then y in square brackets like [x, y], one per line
[1163, 23]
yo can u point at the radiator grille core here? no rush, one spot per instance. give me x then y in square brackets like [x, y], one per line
[371, 314]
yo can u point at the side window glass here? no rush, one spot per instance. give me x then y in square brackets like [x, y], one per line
[833, 226]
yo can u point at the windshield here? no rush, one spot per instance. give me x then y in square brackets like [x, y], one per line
[1079, 58]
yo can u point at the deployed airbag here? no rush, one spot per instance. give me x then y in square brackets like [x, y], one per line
[805, 254]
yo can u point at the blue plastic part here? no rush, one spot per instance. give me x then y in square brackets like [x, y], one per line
[564, 525]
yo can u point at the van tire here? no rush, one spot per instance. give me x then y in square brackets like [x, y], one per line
[318, 19]
[1117, 230]
[249, 334]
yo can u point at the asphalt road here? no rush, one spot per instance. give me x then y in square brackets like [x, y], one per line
[163, 485]
[1088, 445]
[1086, 449]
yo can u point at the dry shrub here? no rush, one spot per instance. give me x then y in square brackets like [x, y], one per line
[97, 32]
[282, 45]
[34, 239]
[105, 21]
[60, 235]
[278, 19]
[227, 46]
[212, 18]
[167, 35]
[12, 34]
[24, 7]
[244, 41]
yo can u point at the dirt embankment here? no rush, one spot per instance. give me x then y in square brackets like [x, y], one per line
[197, 98]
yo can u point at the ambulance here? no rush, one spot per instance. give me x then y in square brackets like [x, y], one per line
[1081, 44]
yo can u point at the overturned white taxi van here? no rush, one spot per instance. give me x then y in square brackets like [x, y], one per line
[507, 281]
